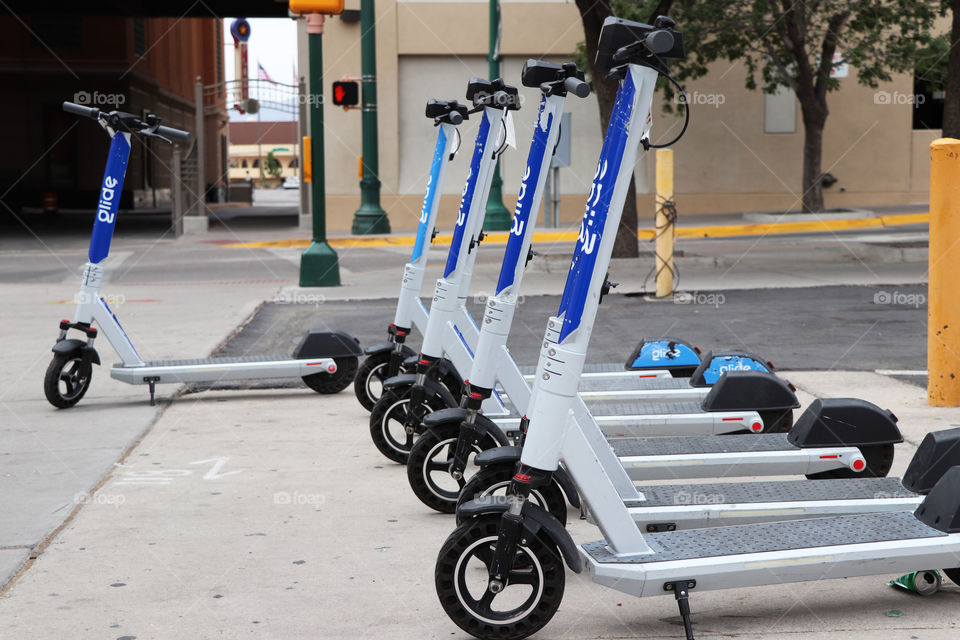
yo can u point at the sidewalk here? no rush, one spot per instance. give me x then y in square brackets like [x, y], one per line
[269, 514]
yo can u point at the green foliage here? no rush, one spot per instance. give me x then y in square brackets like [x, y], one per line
[782, 42]
[273, 166]
[932, 62]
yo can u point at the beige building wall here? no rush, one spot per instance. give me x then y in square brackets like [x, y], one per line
[725, 163]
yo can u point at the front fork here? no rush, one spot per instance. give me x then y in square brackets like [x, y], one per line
[426, 366]
[511, 535]
[470, 433]
[398, 335]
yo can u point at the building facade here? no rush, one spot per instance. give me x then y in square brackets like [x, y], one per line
[742, 152]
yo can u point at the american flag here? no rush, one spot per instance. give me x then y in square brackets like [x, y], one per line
[262, 73]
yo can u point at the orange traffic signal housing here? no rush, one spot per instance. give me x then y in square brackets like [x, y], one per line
[329, 7]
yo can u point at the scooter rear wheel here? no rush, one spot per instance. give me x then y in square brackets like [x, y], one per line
[428, 467]
[67, 379]
[495, 479]
[368, 383]
[526, 604]
[336, 382]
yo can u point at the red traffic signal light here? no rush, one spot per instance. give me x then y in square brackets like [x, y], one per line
[346, 93]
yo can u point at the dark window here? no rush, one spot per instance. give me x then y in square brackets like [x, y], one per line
[256, 163]
[294, 162]
[244, 163]
[139, 38]
[927, 105]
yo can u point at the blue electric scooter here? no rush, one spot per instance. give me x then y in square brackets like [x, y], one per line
[325, 360]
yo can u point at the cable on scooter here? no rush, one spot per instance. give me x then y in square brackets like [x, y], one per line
[647, 145]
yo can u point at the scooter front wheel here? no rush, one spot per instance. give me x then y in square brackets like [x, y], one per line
[368, 383]
[533, 590]
[67, 379]
[336, 382]
[428, 467]
[388, 423]
[495, 480]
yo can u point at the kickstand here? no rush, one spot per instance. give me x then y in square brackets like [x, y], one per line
[152, 381]
[681, 591]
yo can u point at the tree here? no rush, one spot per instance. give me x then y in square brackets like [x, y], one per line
[274, 170]
[790, 43]
[592, 14]
[951, 101]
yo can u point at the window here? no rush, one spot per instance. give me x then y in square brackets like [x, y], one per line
[256, 163]
[139, 38]
[244, 163]
[294, 162]
[780, 111]
[927, 105]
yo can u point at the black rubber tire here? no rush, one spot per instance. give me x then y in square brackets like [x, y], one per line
[777, 421]
[538, 564]
[953, 574]
[496, 477]
[74, 371]
[392, 407]
[372, 367]
[328, 383]
[430, 444]
[879, 460]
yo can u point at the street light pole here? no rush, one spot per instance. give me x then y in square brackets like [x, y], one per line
[497, 217]
[318, 263]
[370, 217]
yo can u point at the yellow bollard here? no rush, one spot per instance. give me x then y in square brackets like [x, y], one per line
[943, 304]
[664, 222]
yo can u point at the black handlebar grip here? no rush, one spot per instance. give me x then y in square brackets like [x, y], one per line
[659, 41]
[80, 110]
[577, 87]
[455, 118]
[176, 134]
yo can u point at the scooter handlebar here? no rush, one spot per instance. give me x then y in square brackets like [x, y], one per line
[577, 87]
[80, 110]
[175, 134]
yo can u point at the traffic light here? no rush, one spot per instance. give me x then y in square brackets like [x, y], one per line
[329, 7]
[346, 93]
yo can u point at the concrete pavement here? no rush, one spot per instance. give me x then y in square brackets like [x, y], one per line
[347, 550]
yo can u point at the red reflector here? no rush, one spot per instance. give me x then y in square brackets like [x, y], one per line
[65, 320]
[732, 419]
[92, 330]
[313, 364]
[858, 465]
[829, 457]
[756, 427]
[521, 477]
[790, 384]
[423, 361]
[648, 376]
[332, 368]
[474, 394]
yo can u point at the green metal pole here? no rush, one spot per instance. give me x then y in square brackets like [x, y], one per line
[370, 217]
[497, 217]
[318, 263]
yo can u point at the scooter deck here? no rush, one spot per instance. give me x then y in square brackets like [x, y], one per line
[221, 369]
[766, 537]
[672, 446]
[192, 362]
[637, 382]
[668, 495]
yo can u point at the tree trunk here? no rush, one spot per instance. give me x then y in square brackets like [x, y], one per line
[951, 103]
[814, 118]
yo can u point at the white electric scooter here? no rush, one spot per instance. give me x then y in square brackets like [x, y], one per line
[325, 360]
[520, 549]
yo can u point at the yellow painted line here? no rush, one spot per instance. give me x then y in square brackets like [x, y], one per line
[713, 231]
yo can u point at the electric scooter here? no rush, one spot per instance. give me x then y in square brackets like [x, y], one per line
[385, 360]
[449, 323]
[521, 548]
[438, 460]
[325, 360]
